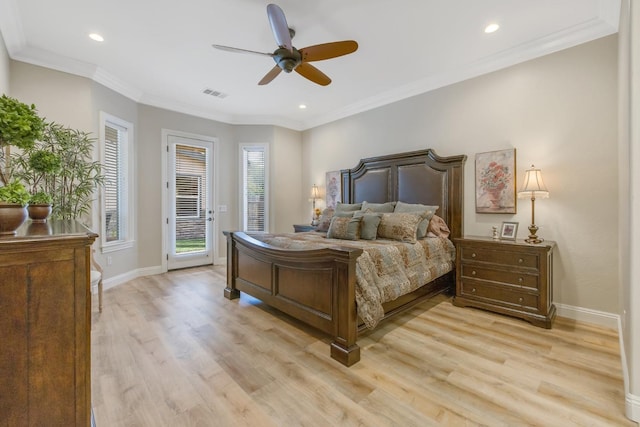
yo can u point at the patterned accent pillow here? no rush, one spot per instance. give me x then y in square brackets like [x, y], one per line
[345, 228]
[417, 207]
[348, 207]
[400, 226]
[369, 224]
[438, 227]
[325, 219]
[379, 207]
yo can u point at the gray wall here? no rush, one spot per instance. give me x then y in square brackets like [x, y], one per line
[4, 68]
[559, 112]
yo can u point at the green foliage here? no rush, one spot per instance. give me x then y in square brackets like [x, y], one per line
[61, 165]
[14, 192]
[41, 198]
[20, 126]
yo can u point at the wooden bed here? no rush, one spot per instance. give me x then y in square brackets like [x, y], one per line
[318, 286]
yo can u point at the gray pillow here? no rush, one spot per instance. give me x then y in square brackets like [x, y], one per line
[379, 207]
[429, 211]
[348, 207]
[369, 224]
[344, 228]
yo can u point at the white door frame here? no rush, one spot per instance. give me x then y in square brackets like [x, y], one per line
[166, 133]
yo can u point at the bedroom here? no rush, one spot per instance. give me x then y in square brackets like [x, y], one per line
[579, 85]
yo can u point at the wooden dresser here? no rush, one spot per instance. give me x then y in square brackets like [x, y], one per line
[45, 325]
[508, 277]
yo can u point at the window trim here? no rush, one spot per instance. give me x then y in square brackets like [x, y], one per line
[128, 211]
[265, 148]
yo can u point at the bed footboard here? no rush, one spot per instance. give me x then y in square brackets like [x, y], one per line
[315, 286]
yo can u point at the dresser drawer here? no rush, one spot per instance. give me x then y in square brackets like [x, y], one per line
[512, 277]
[520, 259]
[498, 294]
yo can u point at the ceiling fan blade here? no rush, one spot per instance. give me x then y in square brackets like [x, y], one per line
[270, 75]
[238, 50]
[323, 51]
[312, 73]
[279, 26]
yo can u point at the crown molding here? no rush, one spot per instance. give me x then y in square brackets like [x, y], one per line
[604, 25]
[570, 37]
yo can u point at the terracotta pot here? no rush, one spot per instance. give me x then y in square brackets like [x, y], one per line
[12, 216]
[39, 213]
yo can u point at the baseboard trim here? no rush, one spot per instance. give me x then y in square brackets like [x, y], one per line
[130, 275]
[632, 407]
[600, 318]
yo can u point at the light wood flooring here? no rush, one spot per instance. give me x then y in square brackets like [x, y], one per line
[170, 350]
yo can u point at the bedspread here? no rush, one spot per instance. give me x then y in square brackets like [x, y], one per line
[386, 269]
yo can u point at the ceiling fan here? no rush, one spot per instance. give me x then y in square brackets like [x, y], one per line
[288, 58]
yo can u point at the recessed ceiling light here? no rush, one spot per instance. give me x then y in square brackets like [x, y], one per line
[302, 106]
[491, 28]
[97, 37]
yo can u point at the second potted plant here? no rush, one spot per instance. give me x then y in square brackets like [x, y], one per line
[13, 200]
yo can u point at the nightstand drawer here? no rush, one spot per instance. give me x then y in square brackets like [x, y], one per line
[510, 277]
[516, 259]
[498, 294]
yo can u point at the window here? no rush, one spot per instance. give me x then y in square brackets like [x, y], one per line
[117, 191]
[188, 196]
[255, 172]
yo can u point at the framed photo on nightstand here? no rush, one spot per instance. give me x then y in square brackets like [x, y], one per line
[509, 230]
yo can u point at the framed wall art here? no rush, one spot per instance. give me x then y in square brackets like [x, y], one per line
[496, 182]
[509, 230]
[333, 189]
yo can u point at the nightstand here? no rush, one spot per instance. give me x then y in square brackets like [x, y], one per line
[508, 277]
[298, 228]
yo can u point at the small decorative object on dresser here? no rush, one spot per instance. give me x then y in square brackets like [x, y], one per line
[513, 278]
[509, 230]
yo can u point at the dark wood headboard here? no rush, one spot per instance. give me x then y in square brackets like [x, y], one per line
[413, 177]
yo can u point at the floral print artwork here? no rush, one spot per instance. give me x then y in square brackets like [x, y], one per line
[495, 182]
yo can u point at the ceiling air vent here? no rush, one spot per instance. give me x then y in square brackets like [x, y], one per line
[215, 93]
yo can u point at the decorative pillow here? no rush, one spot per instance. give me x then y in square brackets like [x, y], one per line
[417, 207]
[345, 214]
[348, 207]
[369, 224]
[438, 227]
[344, 228]
[379, 207]
[325, 219]
[400, 226]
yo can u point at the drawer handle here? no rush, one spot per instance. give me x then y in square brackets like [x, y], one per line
[473, 255]
[520, 299]
[473, 273]
[520, 280]
[473, 291]
[520, 260]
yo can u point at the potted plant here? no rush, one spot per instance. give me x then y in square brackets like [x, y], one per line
[13, 200]
[38, 168]
[39, 207]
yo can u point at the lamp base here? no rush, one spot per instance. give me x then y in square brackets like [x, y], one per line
[533, 239]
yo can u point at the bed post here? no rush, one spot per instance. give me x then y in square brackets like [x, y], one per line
[230, 292]
[344, 348]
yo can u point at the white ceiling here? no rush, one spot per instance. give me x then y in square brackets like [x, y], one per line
[158, 52]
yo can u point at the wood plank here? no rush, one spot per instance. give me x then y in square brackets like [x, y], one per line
[170, 350]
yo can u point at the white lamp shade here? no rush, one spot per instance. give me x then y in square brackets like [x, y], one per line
[533, 185]
[314, 192]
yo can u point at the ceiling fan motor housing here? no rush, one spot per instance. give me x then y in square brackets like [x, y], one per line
[287, 60]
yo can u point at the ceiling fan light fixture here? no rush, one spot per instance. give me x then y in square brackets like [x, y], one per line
[491, 28]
